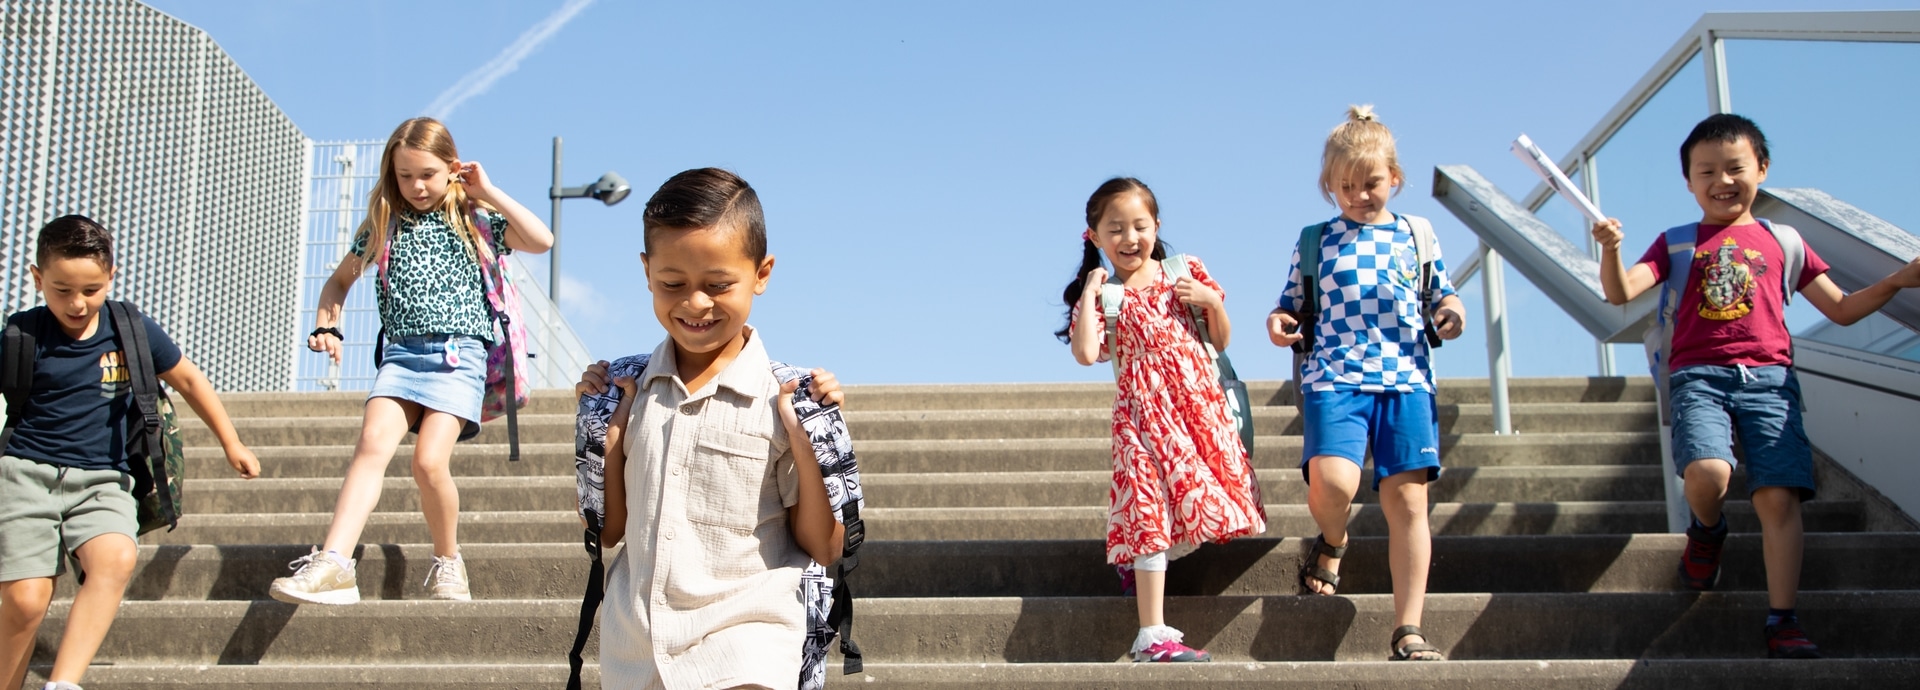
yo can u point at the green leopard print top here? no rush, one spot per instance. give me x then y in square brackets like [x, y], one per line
[433, 285]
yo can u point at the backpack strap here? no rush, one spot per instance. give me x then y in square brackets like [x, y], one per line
[19, 348]
[1309, 248]
[495, 281]
[1176, 266]
[136, 350]
[1680, 244]
[1795, 250]
[1426, 247]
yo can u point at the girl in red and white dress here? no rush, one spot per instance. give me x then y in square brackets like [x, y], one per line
[1181, 477]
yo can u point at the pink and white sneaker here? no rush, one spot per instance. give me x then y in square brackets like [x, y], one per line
[1161, 644]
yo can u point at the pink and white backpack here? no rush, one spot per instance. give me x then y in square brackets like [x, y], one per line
[507, 355]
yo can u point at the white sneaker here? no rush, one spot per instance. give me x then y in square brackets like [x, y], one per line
[61, 685]
[318, 579]
[448, 578]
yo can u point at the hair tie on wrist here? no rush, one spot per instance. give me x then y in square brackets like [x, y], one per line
[329, 330]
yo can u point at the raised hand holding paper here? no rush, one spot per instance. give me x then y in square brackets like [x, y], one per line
[1531, 155]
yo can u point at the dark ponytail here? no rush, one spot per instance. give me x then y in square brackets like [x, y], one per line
[1090, 255]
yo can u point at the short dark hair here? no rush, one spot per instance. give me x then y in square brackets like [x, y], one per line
[74, 237]
[708, 198]
[1726, 127]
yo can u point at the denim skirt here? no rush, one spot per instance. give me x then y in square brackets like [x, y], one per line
[440, 372]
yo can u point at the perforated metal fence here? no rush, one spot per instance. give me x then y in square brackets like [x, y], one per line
[114, 110]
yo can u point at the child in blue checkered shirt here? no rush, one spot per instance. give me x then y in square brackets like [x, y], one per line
[1366, 379]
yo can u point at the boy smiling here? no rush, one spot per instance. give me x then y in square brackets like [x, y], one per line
[720, 511]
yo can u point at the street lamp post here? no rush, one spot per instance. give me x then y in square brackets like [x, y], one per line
[609, 189]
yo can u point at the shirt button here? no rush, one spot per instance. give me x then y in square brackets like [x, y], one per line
[669, 535]
[676, 471]
[689, 408]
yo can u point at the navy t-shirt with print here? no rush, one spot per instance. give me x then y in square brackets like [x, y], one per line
[77, 410]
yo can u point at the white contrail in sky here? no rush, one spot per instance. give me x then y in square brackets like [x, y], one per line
[478, 81]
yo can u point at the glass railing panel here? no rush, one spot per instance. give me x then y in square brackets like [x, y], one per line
[1638, 168]
[1838, 116]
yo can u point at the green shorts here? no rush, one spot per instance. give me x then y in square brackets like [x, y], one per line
[48, 511]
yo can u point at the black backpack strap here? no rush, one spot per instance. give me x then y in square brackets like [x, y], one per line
[146, 427]
[16, 372]
[840, 616]
[590, 602]
[513, 394]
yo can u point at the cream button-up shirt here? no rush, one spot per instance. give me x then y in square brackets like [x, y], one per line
[705, 594]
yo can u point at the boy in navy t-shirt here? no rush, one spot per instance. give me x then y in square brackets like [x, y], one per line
[1732, 361]
[65, 491]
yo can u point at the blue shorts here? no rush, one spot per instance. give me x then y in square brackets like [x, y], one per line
[447, 373]
[1401, 427]
[1713, 405]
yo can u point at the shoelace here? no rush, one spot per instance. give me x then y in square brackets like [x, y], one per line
[303, 573]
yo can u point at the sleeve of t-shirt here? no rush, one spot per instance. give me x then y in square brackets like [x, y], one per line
[499, 225]
[1656, 258]
[166, 354]
[1444, 283]
[1815, 266]
[1100, 327]
[359, 246]
[785, 477]
[1292, 293]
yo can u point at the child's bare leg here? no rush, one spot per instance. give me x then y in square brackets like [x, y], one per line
[1781, 542]
[439, 498]
[23, 604]
[1333, 482]
[1403, 500]
[1150, 594]
[1706, 488]
[385, 423]
[108, 561]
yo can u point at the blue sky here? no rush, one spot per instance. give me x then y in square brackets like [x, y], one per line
[923, 166]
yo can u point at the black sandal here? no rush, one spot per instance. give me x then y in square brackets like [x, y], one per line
[1410, 652]
[1311, 568]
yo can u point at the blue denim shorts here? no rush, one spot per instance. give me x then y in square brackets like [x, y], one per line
[1402, 428]
[1760, 406]
[447, 373]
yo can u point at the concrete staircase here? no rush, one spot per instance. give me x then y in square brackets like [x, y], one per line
[986, 508]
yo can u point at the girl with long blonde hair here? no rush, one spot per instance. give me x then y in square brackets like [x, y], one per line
[424, 233]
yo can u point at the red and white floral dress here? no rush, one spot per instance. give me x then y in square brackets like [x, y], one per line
[1180, 475]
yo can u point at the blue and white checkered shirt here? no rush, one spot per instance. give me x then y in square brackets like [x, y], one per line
[1370, 334]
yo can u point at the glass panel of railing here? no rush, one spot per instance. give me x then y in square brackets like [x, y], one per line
[1560, 214]
[1638, 168]
[1835, 120]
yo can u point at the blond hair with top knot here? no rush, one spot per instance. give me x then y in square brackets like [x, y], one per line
[1358, 141]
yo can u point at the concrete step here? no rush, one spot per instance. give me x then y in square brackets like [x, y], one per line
[962, 424]
[948, 524]
[1256, 566]
[973, 455]
[1003, 396]
[1267, 421]
[251, 405]
[368, 633]
[984, 455]
[1356, 628]
[314, 462]
[1571, 674]
[1283, 486]
[1028, 630]
[1268, 566]
[992, 396]
[1463, 519]
[329, 676]
[999, 489]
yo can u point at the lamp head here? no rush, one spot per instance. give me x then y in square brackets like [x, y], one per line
[610, 188]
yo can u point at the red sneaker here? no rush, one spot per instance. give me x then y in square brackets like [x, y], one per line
[1700, 564]
[1786, 641]
[1171, 651]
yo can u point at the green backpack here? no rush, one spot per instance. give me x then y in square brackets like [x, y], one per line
[155, 455]
[1111, 296]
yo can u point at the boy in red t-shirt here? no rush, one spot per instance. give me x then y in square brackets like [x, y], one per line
[1732, 362]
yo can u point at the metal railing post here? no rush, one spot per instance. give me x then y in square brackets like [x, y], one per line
[1494, 284]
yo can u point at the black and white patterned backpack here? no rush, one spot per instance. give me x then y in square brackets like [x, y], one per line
[829, 600]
